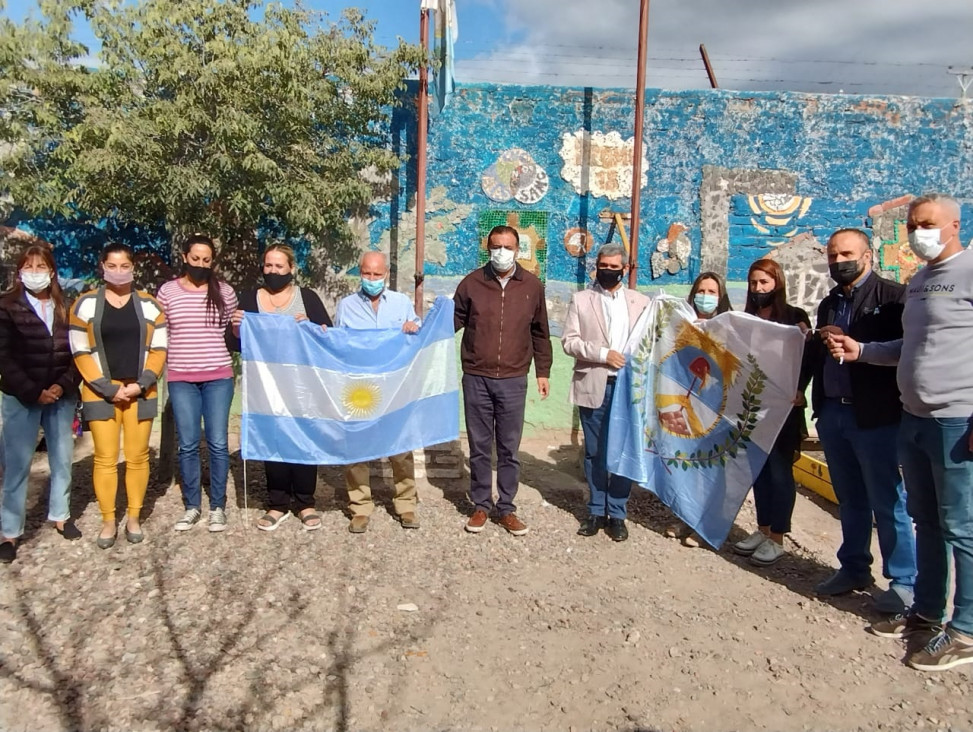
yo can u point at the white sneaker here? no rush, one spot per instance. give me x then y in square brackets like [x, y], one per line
[217, 520]
[769, 552]
[188, 520]
[748, 546]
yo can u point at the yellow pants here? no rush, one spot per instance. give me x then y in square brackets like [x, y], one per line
[135, 433]
[360, 489]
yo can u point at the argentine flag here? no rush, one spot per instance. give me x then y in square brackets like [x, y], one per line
[344, 396]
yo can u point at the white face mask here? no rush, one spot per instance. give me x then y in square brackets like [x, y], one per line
[926, 243]
[36, 281]
[502, 259]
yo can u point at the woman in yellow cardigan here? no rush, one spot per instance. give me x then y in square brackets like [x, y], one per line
[118, 338]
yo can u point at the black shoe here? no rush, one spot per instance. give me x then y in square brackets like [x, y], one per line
[8, 552]
[591, 525]
[69, 532]
[616, 529]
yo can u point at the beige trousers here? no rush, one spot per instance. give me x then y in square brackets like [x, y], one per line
[360, 490]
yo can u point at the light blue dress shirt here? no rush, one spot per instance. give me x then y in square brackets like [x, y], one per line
[394, 309]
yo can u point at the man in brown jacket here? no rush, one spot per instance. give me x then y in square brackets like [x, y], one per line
[502, 309]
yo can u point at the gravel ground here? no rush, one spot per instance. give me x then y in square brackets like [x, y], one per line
[552, 631]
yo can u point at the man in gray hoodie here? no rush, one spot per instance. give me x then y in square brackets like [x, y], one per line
[935, 439]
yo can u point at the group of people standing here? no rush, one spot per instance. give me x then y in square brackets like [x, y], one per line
[893, 399]
[109, 351]
[873, 417]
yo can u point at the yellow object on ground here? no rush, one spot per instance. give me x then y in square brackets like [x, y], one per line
[813, 474]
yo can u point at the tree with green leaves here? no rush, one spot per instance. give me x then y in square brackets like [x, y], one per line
[232, 117]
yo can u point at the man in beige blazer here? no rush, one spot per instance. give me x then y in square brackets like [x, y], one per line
[598, 325]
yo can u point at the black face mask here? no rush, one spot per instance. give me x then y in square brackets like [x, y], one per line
[199, 275]
[761, 299]
[608, 278]
[844, 273]
[276, 282]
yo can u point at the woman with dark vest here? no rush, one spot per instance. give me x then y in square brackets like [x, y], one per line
[118, 337]
[290, 486]
[40, 389]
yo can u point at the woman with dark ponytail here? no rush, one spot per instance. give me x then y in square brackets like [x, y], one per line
[198, 306]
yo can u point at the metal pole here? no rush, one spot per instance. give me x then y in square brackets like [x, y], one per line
[633, 255]
[709, 68]
[421, 138]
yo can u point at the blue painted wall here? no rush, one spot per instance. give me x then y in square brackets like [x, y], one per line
[847, 152]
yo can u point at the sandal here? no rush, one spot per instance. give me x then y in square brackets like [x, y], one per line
[273, 521]
[311, 521]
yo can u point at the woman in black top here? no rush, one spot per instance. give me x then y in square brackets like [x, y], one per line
[774, 492]
[290, 486]
[40, 386]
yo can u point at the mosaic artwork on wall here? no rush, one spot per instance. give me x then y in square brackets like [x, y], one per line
[600, 164]
[578, 242]
[805, 271]
[443, 217]
[777, 214]
[515, 175]
[895, 258]
[671, 253]
[532, 229]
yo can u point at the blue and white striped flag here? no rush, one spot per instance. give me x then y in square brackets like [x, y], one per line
[345, 396]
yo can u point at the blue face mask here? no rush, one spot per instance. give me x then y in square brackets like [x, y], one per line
[372, 287]
[705, 304]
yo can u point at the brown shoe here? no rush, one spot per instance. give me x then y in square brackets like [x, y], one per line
[358, 524]
[477, 521]
[409, 520]
[513, 524]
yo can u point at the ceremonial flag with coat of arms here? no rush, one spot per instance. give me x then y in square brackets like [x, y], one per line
[698, 407]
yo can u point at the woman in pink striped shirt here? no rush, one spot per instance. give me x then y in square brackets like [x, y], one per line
[198, 307]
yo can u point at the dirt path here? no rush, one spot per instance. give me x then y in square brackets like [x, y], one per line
[552, 631]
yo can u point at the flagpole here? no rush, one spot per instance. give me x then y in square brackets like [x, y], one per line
[633, 236]
[421, 138]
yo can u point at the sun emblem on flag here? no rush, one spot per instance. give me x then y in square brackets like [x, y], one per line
[361, 399]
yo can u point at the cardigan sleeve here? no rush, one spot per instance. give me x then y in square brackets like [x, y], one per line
[247, 302]
[316, 312]
[80, 337]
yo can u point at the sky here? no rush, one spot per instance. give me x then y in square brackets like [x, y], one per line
[826, 46]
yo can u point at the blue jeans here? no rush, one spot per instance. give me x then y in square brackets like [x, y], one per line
[607, 494]
[774, 492]
[20, 427]
[209, 402]
[938, 470]
[864, 469]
